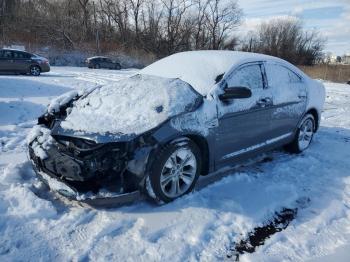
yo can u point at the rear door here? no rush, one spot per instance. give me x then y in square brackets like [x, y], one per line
[6, 61]
[244, 124]
[289, 97]
[2, 60]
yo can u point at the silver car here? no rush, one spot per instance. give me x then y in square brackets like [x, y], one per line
[186, 115]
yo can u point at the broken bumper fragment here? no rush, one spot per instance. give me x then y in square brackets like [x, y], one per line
[98, 178]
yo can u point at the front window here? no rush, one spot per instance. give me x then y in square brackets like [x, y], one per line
[18, 55]
[248, 76]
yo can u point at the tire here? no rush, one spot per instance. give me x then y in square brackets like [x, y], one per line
[117, 67]
[303, 136]
[174, 171]
[35, 70]
[97, 66]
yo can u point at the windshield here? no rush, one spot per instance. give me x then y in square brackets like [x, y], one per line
[198, 68]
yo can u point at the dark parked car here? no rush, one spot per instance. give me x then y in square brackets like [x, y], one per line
[186, 115]
[16, 61]
[102, 62]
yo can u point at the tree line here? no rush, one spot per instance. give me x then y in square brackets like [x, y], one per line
[286, 38]
[159, 27]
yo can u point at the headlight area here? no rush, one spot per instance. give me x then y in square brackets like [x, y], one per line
[88, 167]
[47, 120]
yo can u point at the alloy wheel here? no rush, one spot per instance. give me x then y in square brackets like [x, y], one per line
[178, 173]
[305, 134]
[35, 71]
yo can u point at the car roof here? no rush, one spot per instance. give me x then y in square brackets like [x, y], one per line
[94, 57]
[11, 49]
[200, 68]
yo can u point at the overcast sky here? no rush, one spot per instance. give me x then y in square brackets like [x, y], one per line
[331, 17]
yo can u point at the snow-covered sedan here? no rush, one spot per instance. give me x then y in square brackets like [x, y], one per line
[186, 115]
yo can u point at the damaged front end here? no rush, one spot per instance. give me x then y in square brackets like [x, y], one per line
[86, 169]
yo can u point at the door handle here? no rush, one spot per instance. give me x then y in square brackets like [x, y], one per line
[263, 102]
[302, 96]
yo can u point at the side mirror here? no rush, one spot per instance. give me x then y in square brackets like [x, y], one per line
[235, 92]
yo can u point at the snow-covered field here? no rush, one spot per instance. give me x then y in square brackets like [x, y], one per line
[205, 225]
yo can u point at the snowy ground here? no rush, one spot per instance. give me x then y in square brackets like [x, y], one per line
[35, 225]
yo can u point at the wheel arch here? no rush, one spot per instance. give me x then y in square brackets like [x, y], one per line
[315, 114]
[34, 65]
[202, 143]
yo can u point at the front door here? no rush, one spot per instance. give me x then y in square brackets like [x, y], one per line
[244, 124]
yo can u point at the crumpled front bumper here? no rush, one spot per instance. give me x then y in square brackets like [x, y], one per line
[100, 199]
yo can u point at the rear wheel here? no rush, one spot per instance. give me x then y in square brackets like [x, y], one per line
[174, 171]
[303, 136]
[97, 66]
[35, 70]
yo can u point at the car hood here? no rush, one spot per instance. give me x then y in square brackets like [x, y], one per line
[127, 108]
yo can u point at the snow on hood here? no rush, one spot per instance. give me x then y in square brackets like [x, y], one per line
[131, 106]
[200, 68]
[61, 100]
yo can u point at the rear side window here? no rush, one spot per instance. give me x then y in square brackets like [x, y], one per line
[279, 75]
[6, 54]
[248, 76]
[294, 78]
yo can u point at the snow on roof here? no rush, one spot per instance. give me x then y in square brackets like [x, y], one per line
[12, 49]
[200, 68]
[93, 57]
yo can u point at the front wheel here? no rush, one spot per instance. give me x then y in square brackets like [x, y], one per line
[35, 70]
[303, 136]
[174, 171]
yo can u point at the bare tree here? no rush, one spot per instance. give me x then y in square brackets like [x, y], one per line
[175, 11]
[86, 17]
[286, 38]
[160, 27]
[136, 9]
[199, 24]
[222, 17]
